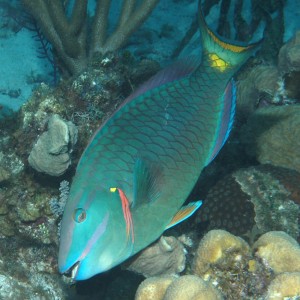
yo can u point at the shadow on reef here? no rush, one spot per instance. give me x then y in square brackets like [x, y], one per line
[115, 284]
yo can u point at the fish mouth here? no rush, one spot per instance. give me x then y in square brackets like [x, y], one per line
[72, 271]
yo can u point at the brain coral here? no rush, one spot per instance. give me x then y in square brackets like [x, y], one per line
[284, 286]
[262, 197]
[188, 287]
[278, 251]
[191, 287]
[272, 134]
[153, 288]
[219, 247]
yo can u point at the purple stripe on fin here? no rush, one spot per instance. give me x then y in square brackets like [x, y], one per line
[227, 118]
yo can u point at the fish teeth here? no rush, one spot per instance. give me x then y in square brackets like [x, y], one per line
[74, 270]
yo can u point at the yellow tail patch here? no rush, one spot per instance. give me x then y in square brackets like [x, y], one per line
[217, 62]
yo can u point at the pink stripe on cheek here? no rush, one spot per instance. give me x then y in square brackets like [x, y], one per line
[95, 237]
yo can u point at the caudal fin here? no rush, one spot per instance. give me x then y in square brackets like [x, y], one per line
[220, 53]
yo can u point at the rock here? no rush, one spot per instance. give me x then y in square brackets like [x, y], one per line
[51, 153]
[167, 256]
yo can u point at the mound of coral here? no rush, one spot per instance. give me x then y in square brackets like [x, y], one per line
[226, 267]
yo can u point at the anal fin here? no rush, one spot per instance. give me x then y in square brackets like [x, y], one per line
[184, 213]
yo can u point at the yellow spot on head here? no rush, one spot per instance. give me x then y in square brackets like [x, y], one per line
[217, 62]
[112, 190]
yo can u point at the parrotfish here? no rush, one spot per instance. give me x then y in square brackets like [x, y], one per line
[142, 163]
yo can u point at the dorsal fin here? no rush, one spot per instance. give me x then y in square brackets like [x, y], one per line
[175, 71]
[147, 182]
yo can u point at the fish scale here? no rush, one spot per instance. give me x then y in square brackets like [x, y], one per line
[151, 109]
[143, 162]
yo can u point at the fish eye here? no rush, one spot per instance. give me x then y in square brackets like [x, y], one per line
[79, 215]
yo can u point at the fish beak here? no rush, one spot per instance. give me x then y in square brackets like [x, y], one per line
[74, 270]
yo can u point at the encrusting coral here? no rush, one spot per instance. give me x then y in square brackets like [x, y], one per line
[279, 251]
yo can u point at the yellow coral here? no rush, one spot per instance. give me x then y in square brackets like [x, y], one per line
[190, 287]
[279, 251]
[216, 247]
[285, 285]
[153, 288]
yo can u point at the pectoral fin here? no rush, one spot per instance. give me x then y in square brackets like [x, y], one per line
[147, 182]
[184, 213]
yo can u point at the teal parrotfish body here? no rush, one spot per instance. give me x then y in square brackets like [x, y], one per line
[143, 162]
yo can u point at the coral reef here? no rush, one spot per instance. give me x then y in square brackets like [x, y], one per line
[271, 136]
[51, 153]
[254, 200]
[224, 266]
[278, 251]
[167, 256]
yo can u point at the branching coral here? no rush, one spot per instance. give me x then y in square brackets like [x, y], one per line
[69, 36]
